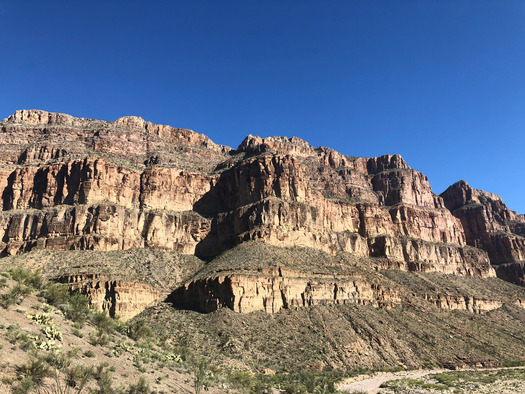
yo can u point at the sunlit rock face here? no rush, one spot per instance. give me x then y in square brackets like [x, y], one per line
[491, 226]
[76, 183]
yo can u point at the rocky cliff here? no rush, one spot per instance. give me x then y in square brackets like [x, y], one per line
[491, 226]
[74, 183]
[117, 297]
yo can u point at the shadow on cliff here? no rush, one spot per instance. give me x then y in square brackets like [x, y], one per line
[216, 205]
[209, 206]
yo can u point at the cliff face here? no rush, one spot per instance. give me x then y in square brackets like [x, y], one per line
[273, 289]
[491, 226]
[74, 183]
[119, 298]
[320, 198]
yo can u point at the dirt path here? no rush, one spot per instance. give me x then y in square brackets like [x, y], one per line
[371, 384]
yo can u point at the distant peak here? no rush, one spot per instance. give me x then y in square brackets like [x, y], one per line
[462, 184]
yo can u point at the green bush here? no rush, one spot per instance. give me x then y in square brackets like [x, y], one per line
[141, 387]
[101, 338]
[78, 307]
[56, 294]
[242, 379]
[102, 321]
[75, 305]
[56, 359]
[14, 296]
[138, 329]
[77, 333]
[23, 339]
[35, 369]
[28, 278]
[78, 375]
[104, 379]
[25, 386]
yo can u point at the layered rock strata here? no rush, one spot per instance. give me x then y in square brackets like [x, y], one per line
[273, 289]
[463, 303]
[130, 183]
[75, 183]
[491, 226]
[123, 298]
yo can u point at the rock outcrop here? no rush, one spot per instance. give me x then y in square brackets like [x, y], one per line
[76, 183]
[120, 298]
[463, 303]
[273, 289]
[491, 226]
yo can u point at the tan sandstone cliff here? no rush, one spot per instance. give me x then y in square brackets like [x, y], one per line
[75, 183]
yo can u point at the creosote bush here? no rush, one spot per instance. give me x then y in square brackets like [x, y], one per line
[28, 278]
[141, 387]
[35, 369]
[138, 329]
[75, 305]
[14, 296]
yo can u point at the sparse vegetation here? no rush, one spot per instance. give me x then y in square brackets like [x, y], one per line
[311, 350]
[462, 381]
[15, 295]
[141, 387]
[35, 370]
[41, 335]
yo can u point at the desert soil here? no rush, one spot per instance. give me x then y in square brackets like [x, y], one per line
[371, 383]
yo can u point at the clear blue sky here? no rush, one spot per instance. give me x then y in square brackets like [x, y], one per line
[441, 82]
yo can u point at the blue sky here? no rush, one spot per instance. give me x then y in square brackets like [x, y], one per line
[440, 82]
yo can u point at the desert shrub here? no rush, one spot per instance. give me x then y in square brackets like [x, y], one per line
[98, 339]
[14, 296]
[77, 333]
[33, 280]
[141, 387]
[104, 379]
[244, 379]
[78, 307]
[202, 376]
[35, 369]
[78, 375]
[25, 386]
[102, 321]
[138, 329]
[56, 359]
[75, 305]
[56, 294]
[15, 336]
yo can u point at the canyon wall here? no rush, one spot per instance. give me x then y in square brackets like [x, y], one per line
[75, 183]
[491, 226]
